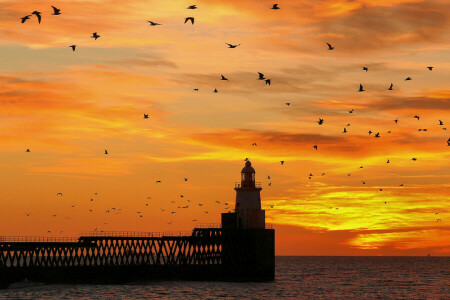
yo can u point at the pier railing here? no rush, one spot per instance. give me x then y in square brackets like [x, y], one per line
[37, 239]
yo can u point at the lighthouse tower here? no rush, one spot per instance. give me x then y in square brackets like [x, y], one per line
[248, 213]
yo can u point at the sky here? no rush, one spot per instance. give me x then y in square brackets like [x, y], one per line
[68, 107]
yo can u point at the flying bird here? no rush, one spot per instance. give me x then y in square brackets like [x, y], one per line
[73, 47]
[408, 78]
[192, 7]
[59, 194]
[151, 23]
[414, 159]
[275, 6]
[350, 111]
[391, 87]
[430, 68]
[216, 91]
[388, 161]
[25, 18]
[232, 46]
[95, 36]
[377, 135]
[365, 69]
[282, 162]
[254, 144]
[56, 11]
[315, 147]
[261, 76]
[158, 181]
[361, 89]
[106, 151]
[38, 15]
[189, 19]
[268, 81]
[320, 122]
[417, 117]
[448, 142]
[370, 132]
[288, 103]
[441, 123]
[145, 116]
[345, 130]
[330, 47]
[28, 150]
[396, 121]
[223, 77]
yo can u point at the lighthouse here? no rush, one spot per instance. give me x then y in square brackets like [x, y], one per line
[248, 213]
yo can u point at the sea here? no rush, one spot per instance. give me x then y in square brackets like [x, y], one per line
[297, 277]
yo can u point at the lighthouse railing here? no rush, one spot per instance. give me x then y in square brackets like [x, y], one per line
[238, 185]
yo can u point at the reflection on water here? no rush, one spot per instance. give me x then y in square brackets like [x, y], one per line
[297, 277]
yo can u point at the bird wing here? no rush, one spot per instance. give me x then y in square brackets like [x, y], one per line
[39, 17]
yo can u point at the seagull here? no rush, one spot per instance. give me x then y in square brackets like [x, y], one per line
[223, 77]
[448, 142]
[377, 135]
[189, 19]
[158, 181]
[365, 69]
[345, 130]
[25, 18]
[59, 194]
[28, 150]
[56, 11]
[370, 132]
[282, 162]
[216, 91]
[153, 23]
[275, 6]
[270, 183]
[73, 47]
[268, 81]
[185, 179]
[192, 7]
[350, 111]
[417, 117]
[408, 78]
[268, 177]
[232, 46]
[261, 76]
[145, 116]
[388, 161]
[414, 159]
[361, 89]
[396, 121]
[391, 87]
[95, 36]
[430, 68]
[38, 15]
[330, 47]
[320, 122]
[106, 151]
[196, 89]
[288, 103]
[254, 144]
[441, 123]
[315, 147]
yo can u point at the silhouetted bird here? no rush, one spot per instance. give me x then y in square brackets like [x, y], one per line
[330, 47]
[192, 7]
[396, 121]
[315, 147]
[391, 87]
[441, 123]
[320, 122]
[414, 159]
[350, 111]
[73, 47]
[288, 103]
[430, 68]
[232, 46]
[345, 130]
[185, 179]
[25, 18]
[370, 132]
[28, 214]
[275, 6]
[223, 77]
[106, 151]
[28, 150]
[145, 116]
[268, 81]
[448, 142]
[153, 23]
[365, 69]
[387, 161]
[270, 183]
[282, 162]
[417, 117]
[261, 76]
[377, 135]
[56, 11]
[408, 78]
[196, 89]
[59, 194]
[361, 89]
[216, 91]
[189, 19]
[158, 181]
[254, 144]
[38, 15]
[95, 36]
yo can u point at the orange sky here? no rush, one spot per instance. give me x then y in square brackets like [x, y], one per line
[68, 107]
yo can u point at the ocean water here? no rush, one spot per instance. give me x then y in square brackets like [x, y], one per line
[296, 278]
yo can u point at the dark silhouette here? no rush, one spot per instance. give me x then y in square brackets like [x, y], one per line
[223, 77]
[408, 78]
[391, 87]
[216, 91]
[106, 151]
[361, 89]
[73, 47]
[189, 19]
[56, 11]
[38, 15]
[192, 7]
[330, 47]
[153, 23]
[430, 68]
[25, 18]
[268, 81]
[275, 6]
[95, 36]
[261, 76]
[320, 122]
[232, 46]
[365, 69]
[145, 116]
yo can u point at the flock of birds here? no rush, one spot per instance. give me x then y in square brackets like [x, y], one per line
[260, 77]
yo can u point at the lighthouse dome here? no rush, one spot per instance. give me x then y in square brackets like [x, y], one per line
[248, 168]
